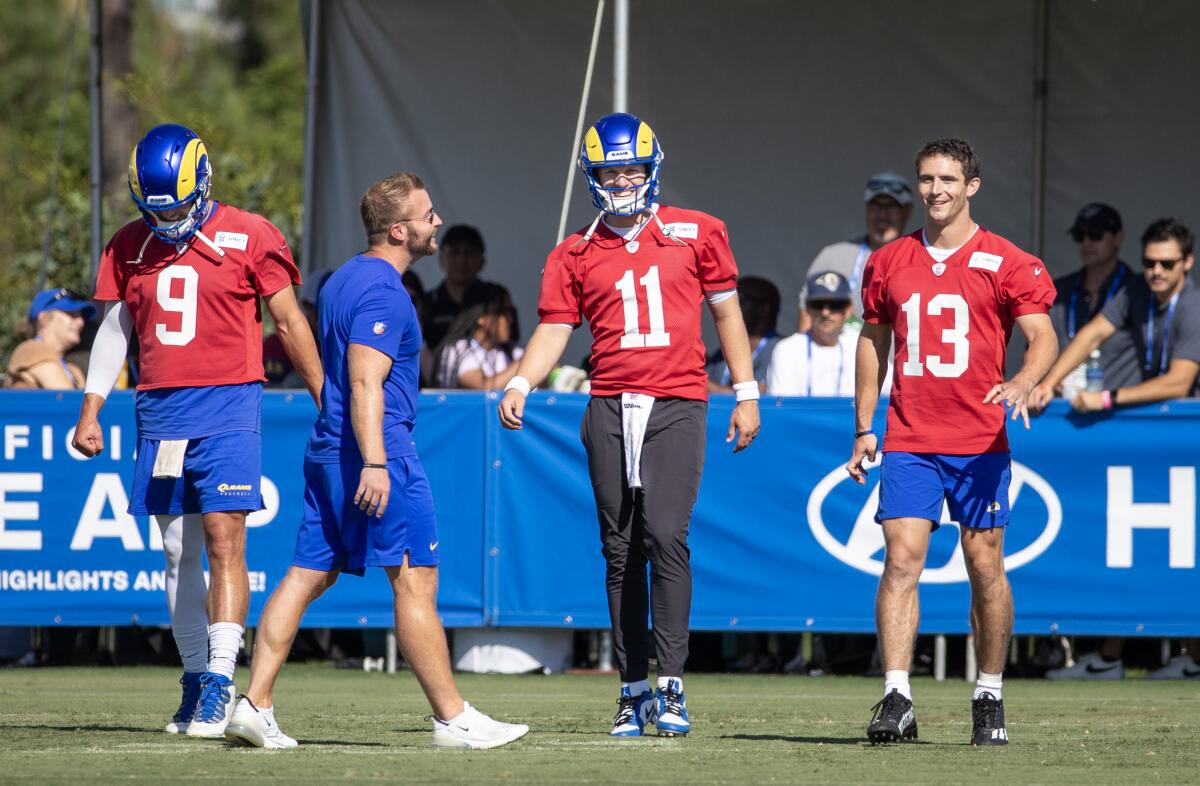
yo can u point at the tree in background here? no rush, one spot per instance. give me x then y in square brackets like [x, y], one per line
[231, 69]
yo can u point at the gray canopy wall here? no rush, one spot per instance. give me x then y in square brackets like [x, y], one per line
[772, 115]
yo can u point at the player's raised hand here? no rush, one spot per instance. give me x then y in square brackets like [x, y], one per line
[511, 409]
[1015, 394]
[374, 485]
[89, 438]
[865, 448]
[744, 423]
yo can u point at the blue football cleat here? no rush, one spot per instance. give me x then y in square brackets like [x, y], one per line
[670, 710]
[633, 713]
[214, 707]
[187, 705]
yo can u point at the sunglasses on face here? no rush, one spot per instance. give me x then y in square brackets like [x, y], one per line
[821, 306]
[1167, 264]
[1093, 235]
[888, 187]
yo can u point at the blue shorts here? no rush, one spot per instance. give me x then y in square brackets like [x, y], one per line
[221, 472]
[336, 535]
[975, 488]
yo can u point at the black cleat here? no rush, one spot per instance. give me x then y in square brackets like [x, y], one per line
[987, 713]
[893, 721]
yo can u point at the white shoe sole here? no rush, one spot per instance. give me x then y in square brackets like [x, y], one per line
[207, 731]
[443, 739]
[244, 734]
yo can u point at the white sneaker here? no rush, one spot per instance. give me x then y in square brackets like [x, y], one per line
[256, 728]
[473, 729]
[213, 708]
[1181, 667]
[1089, 667]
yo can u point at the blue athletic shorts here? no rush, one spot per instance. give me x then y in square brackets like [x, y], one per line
[914, 485]
[221, 472]
[336, 535]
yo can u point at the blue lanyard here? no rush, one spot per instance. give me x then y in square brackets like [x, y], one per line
[860, 264]
[1112, 290]
[841, 366]
[1163, 358]
[727, 375]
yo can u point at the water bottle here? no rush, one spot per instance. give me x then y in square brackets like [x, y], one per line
[1094, 372]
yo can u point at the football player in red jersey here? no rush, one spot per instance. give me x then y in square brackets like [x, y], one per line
[638, 275]
[950, 293]
[188, 278]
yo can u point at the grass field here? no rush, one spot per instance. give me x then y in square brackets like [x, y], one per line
[103, 725]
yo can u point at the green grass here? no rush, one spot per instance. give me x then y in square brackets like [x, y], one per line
[103, 725]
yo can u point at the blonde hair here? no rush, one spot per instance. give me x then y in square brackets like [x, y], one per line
[383, 204]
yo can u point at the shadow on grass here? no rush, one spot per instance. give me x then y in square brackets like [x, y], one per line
[816, 740]
[87, 727]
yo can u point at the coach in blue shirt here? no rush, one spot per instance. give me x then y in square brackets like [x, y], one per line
[367, 502]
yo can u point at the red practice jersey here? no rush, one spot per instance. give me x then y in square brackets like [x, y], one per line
[196, 313]
[951, 322]
[642, 301]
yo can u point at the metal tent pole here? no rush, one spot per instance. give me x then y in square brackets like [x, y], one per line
[621, 56]
[310, 136]
[583, 101]
[96, 174]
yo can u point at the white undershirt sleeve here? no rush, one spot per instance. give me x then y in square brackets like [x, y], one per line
[109, 349]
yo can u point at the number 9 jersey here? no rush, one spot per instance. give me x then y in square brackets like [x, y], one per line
[951, 322]
[196, 313]
[642, 299]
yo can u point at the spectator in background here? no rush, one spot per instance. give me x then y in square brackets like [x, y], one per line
[479, 351]
[819, 361]
[56, 318]
[1098, 233]
[888, 198]
[760, 312]
[461, 256]
[1162, 313]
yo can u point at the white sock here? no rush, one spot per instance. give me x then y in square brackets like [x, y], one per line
[224, 641]
[897, 679]
[988, 683]
[635, 688]
[664, 683]
[192, 641]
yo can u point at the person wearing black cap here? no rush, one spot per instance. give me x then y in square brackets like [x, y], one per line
[56, 318]
[461, 256]
[887, 201]
[1098, 233]
[819, 361]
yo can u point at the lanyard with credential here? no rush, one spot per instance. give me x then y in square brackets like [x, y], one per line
[841, 366]
[860, 264]
[727, 375]
[1166, 339]
[1112, 290]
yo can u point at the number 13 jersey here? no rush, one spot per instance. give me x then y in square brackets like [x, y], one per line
[196, 313]
[951, 322]
[642, 300]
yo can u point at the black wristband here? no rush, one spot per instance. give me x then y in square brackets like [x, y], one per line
[858, 434]
[374, 466]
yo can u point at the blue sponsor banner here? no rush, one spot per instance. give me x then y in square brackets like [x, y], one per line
[1103, 538]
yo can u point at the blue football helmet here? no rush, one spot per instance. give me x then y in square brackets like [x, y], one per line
[617, 140]
[169, 169]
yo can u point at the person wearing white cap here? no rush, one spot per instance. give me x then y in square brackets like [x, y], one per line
[888, 198]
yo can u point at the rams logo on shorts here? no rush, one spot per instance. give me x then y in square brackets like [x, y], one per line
[235, 488]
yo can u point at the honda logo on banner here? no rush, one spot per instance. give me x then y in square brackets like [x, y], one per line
[863, 548]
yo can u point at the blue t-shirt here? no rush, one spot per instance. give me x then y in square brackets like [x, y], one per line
[192, 413]
[364, 302]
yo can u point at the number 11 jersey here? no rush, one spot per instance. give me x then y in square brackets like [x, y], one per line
[196, 313]
[642, 300]
[951, 322]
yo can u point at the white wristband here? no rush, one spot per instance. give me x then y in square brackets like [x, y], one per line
[746, 391]
[519, 384]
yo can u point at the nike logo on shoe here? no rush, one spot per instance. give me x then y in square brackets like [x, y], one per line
[1092, 668]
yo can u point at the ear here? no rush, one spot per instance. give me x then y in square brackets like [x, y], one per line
[398, 232]
[973, 187]
[1187, 262]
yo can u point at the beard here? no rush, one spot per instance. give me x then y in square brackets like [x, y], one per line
[423, 246]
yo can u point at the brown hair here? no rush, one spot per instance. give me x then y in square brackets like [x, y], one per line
[383, 204]
[955, 150]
